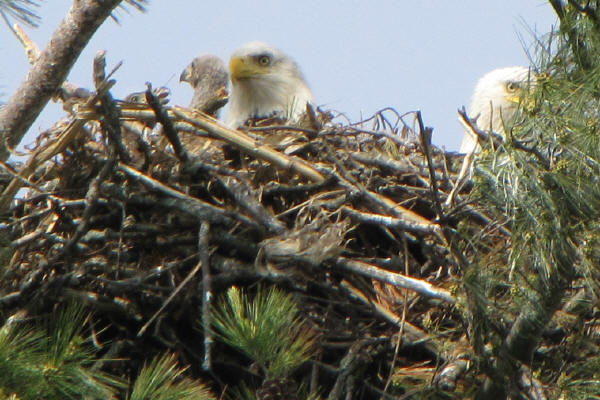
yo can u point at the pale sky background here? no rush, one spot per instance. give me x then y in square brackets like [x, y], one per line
[357, 56]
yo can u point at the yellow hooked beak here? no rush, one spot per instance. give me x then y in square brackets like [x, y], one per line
[514, 99]
[243, 68]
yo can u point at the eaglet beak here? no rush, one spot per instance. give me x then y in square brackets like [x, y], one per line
[242, 67]
[186, 74]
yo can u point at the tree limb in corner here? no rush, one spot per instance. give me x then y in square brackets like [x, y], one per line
[51, 69]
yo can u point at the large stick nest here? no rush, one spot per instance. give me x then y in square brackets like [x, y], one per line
[121, 211]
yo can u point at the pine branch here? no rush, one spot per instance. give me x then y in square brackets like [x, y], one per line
[266, 328]
[21, 10]
[163, 380]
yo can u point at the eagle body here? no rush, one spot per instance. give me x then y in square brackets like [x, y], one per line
[265, 83]
[494, 102]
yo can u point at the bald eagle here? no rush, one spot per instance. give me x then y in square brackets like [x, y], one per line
[265, 83]
[207, 75]
[494, 102]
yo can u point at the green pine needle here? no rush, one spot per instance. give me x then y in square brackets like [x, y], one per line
[19, 359]
[51, 362]
[67, 360]
[267, 329]
[21, 10]
[162, 380]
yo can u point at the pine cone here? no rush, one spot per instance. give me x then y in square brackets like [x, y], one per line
[277, 389]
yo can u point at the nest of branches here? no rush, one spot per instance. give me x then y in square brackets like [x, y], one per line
[146, 213]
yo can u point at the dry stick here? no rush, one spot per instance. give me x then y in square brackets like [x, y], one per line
[17, 175]
[403, 323]
[168, 128]
[93, 192]
[385, 220]
[185, 202]
[28, 238]
[32, 50]
[110, 112]
[242, 194]
[465, 169]
[317, 199]
[457, 362]
[425, 135]
[235, 187]
[410, 218]
[207, 294]
[449, 375]
[394, 278]
[248, 145]
[44, 154]
[91, 199]
[350, 366]
[9, 300]
[412, 333]
[396, 166]
[482, 136]
[50, 70]
[546, 163]
[291, 128]
[69, 133]
[170, 298]
[392, 137]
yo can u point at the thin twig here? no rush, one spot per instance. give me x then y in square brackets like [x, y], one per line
[192, 273]
[425, 135]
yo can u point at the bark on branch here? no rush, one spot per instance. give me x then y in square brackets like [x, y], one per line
[51, 69]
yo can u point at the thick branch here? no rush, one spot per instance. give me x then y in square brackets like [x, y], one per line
[51, 69]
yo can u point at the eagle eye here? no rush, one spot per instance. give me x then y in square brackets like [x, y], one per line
[264, 60]
[512, 87]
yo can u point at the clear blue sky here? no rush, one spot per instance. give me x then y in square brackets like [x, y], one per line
[358, 56]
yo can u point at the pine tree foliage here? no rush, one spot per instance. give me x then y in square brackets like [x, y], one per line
[51, 361]
[67, 367]
[267, 328]
[19, 362]
[22, 10]
[162, 379]
[543, 186]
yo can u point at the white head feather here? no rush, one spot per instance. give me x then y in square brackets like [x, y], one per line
[494, 102]
[265, 82]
